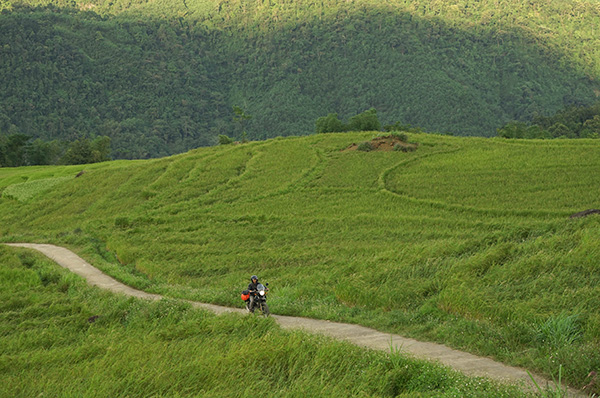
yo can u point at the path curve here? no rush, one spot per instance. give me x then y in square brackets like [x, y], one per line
[466, 363]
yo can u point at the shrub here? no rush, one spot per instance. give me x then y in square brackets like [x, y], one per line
[400, 136]
[397, 127]
[404, 127]
[365, 146]
[224, 140]
[405, 148]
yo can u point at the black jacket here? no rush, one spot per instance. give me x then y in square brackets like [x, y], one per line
[253, 286]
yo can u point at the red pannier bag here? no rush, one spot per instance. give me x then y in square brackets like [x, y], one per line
[245, 295]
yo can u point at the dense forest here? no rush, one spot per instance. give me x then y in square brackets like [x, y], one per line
[161, 77]
[20, 150]
[572, 122]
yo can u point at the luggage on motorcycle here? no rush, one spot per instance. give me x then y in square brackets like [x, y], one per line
[245, 295]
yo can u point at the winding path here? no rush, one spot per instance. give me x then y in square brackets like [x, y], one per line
[469, 364]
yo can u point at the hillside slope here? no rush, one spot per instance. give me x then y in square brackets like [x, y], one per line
[161, 77]
[396, 345]
[465, 241]
[61, 337]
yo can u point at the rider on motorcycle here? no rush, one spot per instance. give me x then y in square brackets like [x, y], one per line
[252, 289]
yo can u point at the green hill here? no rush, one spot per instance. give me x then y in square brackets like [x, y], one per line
[465, 241]
[161, 77]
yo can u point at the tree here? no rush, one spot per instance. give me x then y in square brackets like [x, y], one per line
[13, 150]
[84, 151]
[5, 5]
[560, 130]
[536, 131]
[241, 118]
[591, 128]
[366, 121]
[43, 153]
[100, 149]
[330, 124]
[513, 130]
[3, 141]
[79, 152]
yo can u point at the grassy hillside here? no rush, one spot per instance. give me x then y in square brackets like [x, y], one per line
[61, 338]
[161, 77]
[465, 241]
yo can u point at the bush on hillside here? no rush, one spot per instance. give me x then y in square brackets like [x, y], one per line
[365, 146]
[405, 148]
[398, 126]
[400, 136]
[224, 140]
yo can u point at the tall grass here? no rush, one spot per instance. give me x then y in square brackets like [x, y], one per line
[62, 338]
[465, 241]
[27, 190]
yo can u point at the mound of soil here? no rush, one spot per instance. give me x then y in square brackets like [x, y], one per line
[385, 144]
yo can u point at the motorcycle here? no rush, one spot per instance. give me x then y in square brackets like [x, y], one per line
[260, 300]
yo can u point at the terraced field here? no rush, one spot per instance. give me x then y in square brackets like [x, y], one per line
[465, 241]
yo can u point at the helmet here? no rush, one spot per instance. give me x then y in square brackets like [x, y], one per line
[253, 277]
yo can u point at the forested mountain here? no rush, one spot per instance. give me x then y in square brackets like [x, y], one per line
[161, 77]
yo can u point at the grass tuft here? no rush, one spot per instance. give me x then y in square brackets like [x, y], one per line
[559, 331]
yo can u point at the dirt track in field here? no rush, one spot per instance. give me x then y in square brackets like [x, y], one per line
[469, 364]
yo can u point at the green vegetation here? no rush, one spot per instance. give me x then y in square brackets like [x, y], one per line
[466, 241]
[573, 122]
[18, 150]
[225, 140]
[27, 190]
[365, 121]
[161, 77]
[61, 337]
[365, 146]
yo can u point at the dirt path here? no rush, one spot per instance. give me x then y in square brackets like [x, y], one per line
[467, 363]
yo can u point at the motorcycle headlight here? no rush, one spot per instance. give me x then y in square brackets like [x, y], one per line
[262, 292]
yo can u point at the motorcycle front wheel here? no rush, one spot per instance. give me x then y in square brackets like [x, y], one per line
[265, 309]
